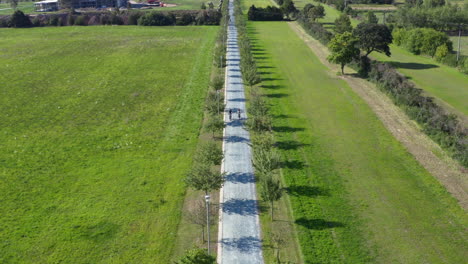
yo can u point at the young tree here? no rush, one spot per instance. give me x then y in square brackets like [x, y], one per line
[271, 191]
[265, 161]
[316, 12]
[214, 124]
[197, 215]
[218, 82]
[209, 153]
[277, 241]
[372, 18]
[373, 37]
[203, 6]
[343, 24]
[210, 5]
[197, 256]
[343, 49]
[203, 178]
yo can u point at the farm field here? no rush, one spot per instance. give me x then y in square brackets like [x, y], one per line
[96, 136]
[357, 196]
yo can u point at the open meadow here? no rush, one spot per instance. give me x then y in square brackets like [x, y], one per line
[357, 195]
[98, 126]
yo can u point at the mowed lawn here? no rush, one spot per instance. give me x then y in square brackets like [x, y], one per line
[441, 81]
[357, 195]
[98, 128]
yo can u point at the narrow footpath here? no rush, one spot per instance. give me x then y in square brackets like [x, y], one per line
[239, 228]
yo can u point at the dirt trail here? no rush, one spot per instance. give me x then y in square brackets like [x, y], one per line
[427, 152]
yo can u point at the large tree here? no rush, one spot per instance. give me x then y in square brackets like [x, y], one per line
[288, 8]
[373, 37]
[343, 24]
[343, 49]
[203, 178]
[372, 18]
[316, 12]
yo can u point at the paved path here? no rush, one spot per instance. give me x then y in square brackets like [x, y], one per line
[239, 229]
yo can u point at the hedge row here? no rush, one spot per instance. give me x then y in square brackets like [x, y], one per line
[444, 128]
[155, 18]
[269, 13]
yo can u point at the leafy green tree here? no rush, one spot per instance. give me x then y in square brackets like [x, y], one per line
[214, 124]
[372, 18]
[441, 52]
[210, 5]
[373, 37]
[203, 6]
[432, 39]
[316, 12]
[271, 191]
[307, 8]
[343, 49]
[343, 24]
[203, 178]
[218, 82]
[288, 8]
[209, 153]
[197, 256]
[214, 102]
[20, 20]
[265, 161]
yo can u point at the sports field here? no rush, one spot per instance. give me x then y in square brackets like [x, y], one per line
[357, 195]
[96, 136]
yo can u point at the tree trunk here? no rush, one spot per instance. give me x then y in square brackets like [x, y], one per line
[271, 210]
[203, 234]
[342, 68]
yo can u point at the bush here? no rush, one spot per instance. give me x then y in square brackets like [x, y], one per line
[185, 19]
[270, 13]
[36, 22]
[156, 19]
[70, 19]
[53, 21]
[115, 19]
[441, 52]
[81, 21]
[20, 20]
[133, 18]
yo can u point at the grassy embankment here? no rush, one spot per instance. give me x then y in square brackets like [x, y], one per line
[96, 137]
[357, 195]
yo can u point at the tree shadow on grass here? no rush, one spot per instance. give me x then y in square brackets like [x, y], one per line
[293, 164]
[272, 86]
[102, 231]
[317, 224]
[413, 65]
[304, 190]
[276, 95]
[290, 144]
[283, 129]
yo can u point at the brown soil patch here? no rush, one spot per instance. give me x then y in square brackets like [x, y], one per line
[427, 152]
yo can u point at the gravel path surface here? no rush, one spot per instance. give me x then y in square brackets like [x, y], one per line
[239, 229]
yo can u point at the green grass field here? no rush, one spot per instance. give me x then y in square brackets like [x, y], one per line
[99, 125]
[441, 81]
[357, 195]
[26, 7]
[463, 44]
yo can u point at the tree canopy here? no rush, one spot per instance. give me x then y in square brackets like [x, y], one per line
[343, 24]
[373, 37]
[343, 49]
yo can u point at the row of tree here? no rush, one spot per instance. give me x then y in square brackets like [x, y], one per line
[205, 174]
[180, 18]
[269, 13]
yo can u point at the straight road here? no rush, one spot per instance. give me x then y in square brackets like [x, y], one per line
[239, 229]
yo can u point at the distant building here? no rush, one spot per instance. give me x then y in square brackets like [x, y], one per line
[46, 6]
[99, 3]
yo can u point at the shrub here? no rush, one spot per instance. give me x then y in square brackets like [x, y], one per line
[441, 52]
[115, 19]
[156, 19]
[133, 18]
[36, 22]
[185, 19]
[270, 13]
[53, 21]
[70, 19]
[80, 21]
[95, 20]
[20, 20]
